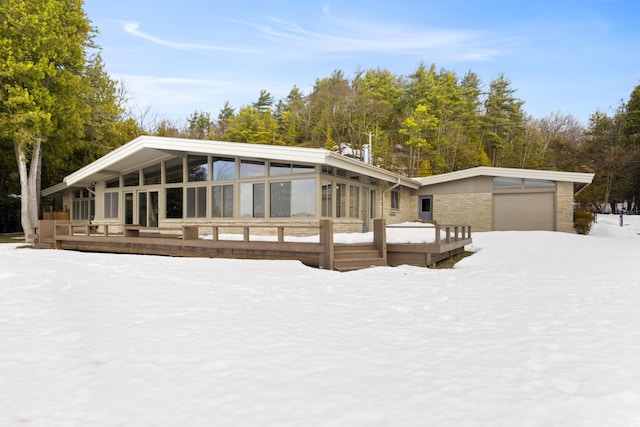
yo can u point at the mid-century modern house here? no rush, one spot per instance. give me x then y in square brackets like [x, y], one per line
[156, 182]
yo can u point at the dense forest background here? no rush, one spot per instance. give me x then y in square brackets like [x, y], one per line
[429, 122]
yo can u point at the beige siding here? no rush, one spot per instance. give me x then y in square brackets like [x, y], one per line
[479, 184]
[464, 209]
[564, 207]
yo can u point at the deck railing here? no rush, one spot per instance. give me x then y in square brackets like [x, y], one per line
[242, 240]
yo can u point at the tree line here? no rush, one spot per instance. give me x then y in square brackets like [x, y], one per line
[60, 110]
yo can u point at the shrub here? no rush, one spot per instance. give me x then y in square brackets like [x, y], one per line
[582, 221]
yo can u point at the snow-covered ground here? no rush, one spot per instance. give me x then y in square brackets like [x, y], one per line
[535, 329]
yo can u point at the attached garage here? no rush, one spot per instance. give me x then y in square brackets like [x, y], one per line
[502, 199]
[524, 212]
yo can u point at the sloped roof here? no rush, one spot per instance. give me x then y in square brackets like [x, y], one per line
[146, 150]
[579, 177]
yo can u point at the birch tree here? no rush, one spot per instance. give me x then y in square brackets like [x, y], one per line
[43, 45]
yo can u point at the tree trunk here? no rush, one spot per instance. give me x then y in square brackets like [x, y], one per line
[28, 187]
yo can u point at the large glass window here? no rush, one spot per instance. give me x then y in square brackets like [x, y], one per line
[173, 171]
[251, 168]
[198, 168]
[132, 179]
[252, 200]
[83, 205]
[293, 198]
[111, 205]
[222, 201]
[303, 198]
[223, 168]
[173, 198]
[327, 198]
[280, 199]
[152, 174]
[354, 201]
[196, 202]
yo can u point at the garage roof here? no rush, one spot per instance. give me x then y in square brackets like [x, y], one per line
[579, 177]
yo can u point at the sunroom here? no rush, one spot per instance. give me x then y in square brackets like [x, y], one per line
[159, 182]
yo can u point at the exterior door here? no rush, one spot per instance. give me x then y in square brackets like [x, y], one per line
[148, 208]
[425, 204]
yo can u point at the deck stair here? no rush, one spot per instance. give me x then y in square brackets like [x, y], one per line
[351, 256]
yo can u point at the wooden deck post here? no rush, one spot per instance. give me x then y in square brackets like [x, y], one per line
[280, 234]
[380, 237]
[326, 260]
[438, 230]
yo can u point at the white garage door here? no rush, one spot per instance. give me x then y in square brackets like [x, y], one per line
[530, 211]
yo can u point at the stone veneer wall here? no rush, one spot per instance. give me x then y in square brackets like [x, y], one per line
[474, 209]
[408, 207]
[564, 207]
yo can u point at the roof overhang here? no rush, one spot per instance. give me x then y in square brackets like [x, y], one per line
[577, 177]
[146, 150]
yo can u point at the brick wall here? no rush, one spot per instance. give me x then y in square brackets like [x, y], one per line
[408, 210]
[474, 209]
[564, 207]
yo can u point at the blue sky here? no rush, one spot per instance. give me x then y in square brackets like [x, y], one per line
[574, 57]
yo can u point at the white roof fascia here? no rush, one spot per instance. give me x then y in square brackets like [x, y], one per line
[235, 149]
[579, 177]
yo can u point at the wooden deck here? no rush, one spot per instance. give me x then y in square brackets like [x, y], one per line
[254, 242]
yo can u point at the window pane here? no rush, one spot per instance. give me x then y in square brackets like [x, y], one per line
[216, 201]
[202, 202]
[142, 208]
[252, 200]
[395, 199]
[174, 202]
[198, 168]
[354, 201]
[113, 183]
[107, 205]
[276, 169]
[246, 200]
[539, 183]
[302, 169]
[303, 198]
[280, 199]
[191, 202]
[258, 200]
[327, 198]
[227, 201]
[152, 174]
[502, 183]
[341, 201]
[223, 168]
[173, 171]
[114, 205]
[249, 168]
[132, 179]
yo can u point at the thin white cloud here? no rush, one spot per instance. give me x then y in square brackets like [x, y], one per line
[133, 28]
[344, 36]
